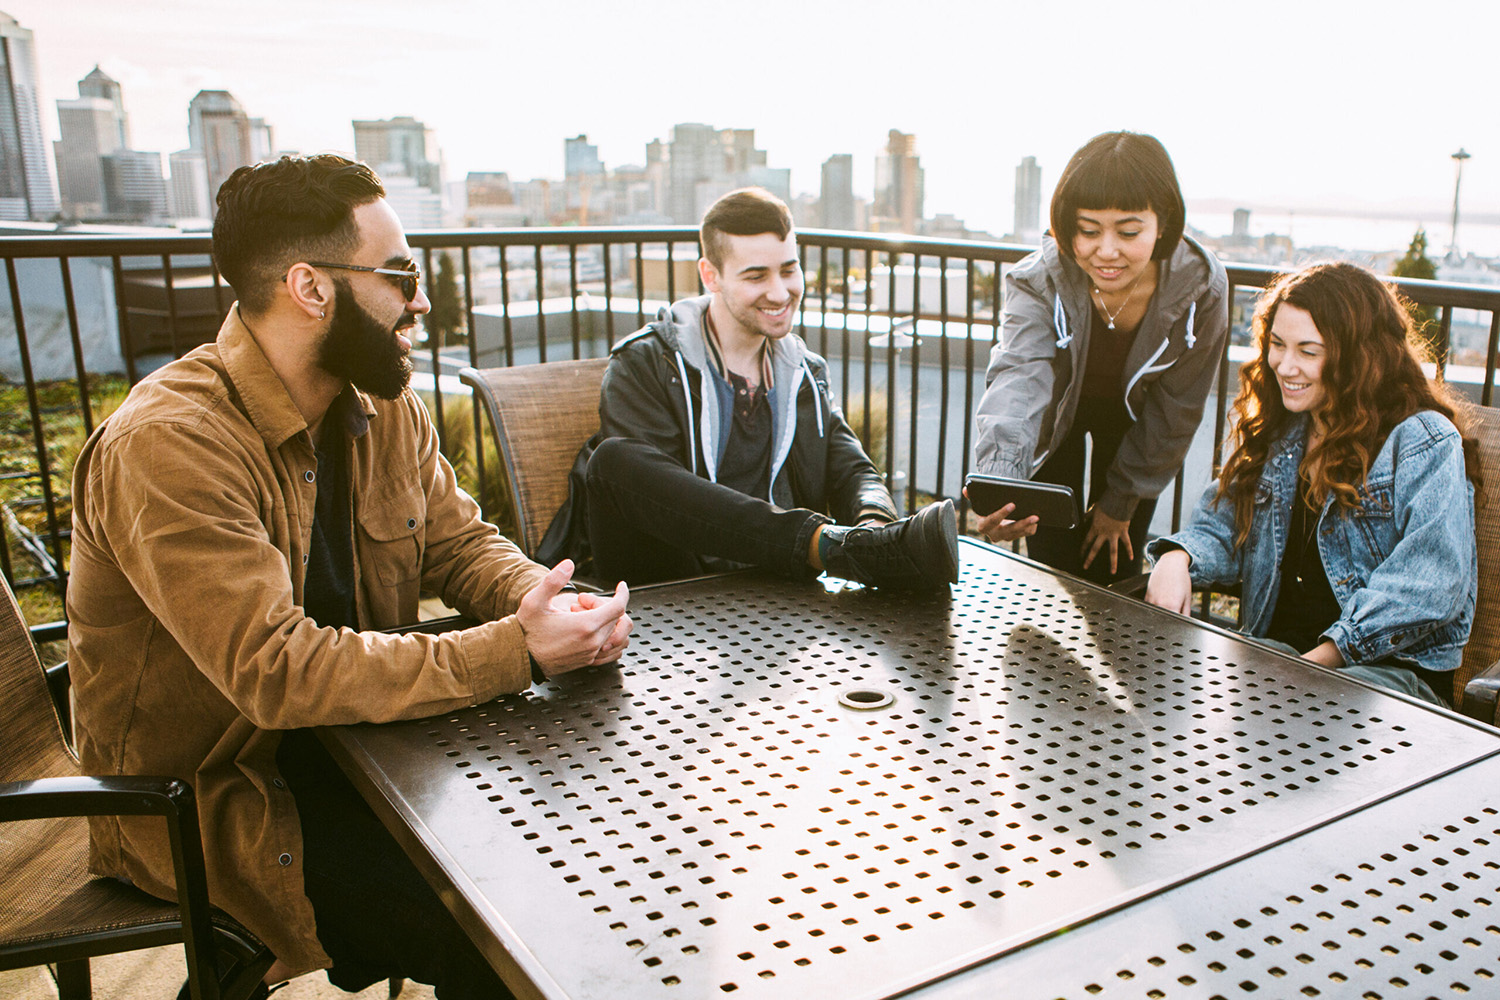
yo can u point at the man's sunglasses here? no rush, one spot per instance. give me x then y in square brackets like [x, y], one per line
[408, 276]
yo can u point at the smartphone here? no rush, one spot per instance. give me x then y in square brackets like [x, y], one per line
[1054, 505]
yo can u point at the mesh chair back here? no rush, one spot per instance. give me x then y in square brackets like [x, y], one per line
[33, 745]
[542, 415]
[1483, 648]
[45, 888]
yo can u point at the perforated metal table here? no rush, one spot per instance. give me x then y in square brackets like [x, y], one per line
[1068, 795]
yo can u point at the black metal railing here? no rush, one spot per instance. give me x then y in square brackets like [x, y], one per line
[82, 308]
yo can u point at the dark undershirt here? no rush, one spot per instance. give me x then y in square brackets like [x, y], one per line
[328, 588]
[1305, 605]
[746, 466]
[1108, 350]
[327, 598]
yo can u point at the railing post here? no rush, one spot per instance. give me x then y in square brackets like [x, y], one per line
[43, 461]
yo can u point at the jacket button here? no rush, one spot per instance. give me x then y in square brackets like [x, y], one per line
[411, 524]
[309, 475]
[278, 782]
[284, 860]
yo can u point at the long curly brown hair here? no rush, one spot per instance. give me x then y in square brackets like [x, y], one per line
[1372, 380]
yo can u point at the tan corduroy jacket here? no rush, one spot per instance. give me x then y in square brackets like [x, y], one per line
[188, 646]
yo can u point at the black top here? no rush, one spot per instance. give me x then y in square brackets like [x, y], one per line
[1108, 350]
[327, 598]
[1305, 605]
[328, 590]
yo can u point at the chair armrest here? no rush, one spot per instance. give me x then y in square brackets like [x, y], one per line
[59, 683]
[119, 795]
[1482, 695]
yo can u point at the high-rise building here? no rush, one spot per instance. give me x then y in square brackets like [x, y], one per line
[262, 141]
[401, 146]
[219, 131]
[898, 184]
[416, 206]
[26, 190]
[188, 193]
[581, 157]
[704, 163]
[101, 85]
[491, 200]
[693, 156]
[1241, 224]
[1028, 220]
[89, 130]
[133, 186]
[837, 202]
[590, 198]
[98, 175]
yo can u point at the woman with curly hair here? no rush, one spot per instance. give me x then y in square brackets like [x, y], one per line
[1346, 510]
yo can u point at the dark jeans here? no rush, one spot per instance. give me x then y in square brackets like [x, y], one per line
[377, 916]
[1106, 421]
[650, 519]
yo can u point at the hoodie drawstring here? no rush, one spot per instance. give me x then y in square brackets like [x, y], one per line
[817, 396]
[1192, 338]
[1060, 321]
[687, 397]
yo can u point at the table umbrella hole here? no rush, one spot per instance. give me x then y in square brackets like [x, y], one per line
[866, 699]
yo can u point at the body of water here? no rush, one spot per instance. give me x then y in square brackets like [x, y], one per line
[1362, 234]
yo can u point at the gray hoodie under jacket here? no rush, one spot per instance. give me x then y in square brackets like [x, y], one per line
[659, 389]
[1035, 374]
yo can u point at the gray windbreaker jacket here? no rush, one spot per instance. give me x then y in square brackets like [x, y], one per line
[1036, 370]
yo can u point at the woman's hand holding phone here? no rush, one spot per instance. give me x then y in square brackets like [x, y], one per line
[997, 526]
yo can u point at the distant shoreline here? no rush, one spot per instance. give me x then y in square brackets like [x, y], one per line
[1396, 213]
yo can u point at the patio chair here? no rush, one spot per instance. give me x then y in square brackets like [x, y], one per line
[52, 910]
[1476, 682]
[542, 415]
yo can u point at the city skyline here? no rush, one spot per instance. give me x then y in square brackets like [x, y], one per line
[503, 87]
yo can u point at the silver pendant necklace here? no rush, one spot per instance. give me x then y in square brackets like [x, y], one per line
[1110, 316]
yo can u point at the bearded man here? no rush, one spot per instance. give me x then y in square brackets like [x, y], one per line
[242, 526]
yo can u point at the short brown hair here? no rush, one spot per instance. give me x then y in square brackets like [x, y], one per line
[1126, 171]
[746, 212]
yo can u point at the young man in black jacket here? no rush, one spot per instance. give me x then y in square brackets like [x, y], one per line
[722, 446]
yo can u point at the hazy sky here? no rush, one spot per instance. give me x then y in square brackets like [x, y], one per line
[1275, 103]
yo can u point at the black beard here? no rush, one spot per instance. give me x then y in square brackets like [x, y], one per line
[360, 350]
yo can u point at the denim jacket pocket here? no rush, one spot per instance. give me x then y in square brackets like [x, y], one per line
[394, 530]
[1374, 516]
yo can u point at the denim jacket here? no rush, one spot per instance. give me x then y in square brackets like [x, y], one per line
[1403, 565]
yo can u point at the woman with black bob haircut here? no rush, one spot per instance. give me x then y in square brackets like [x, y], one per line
[1346, 509]
[1112, 331]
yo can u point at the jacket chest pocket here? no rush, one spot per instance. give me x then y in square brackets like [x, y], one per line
[1375, 519]
[393, 532]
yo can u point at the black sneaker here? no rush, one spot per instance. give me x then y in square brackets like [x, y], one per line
[915, 553]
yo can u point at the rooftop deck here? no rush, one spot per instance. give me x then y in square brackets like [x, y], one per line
[905, 323]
